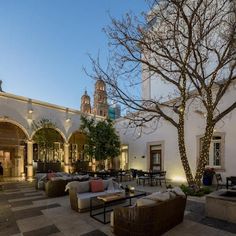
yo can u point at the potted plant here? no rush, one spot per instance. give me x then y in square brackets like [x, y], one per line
[208, 176]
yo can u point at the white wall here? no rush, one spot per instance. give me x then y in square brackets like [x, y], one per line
[168, 134]
[15, 109]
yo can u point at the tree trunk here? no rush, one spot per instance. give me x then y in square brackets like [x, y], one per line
[183, 154]
[204, 155]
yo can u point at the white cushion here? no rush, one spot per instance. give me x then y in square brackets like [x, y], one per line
[41, 185]
[57, 178]
[73, 184]
[83, 187]
[110, 187]
[178, 191]
[106, 183]
[144, 201]
[116, 186]
[158, 196]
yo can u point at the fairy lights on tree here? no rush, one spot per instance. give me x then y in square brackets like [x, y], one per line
[190, 45]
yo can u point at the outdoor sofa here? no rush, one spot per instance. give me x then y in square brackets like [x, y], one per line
[81, 192]
[54, 183]
[152, 215]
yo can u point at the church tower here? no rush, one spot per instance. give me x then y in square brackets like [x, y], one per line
[100, 99]
[85, 106]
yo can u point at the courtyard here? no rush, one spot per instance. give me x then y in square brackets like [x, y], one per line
[26, 211]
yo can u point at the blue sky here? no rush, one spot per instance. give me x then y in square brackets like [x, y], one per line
[44, 45]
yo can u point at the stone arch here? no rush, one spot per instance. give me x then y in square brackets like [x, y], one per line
[65, 140]
[49, 155]
[78, 160]
[16, 124]
[13, 138]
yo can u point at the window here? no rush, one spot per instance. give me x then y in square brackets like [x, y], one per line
[215, 152]
[73, 152]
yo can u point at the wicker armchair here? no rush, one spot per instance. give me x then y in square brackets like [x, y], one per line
[55, 188]
[149, 220]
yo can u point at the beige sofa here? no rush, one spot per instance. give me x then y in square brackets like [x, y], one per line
[80, 194]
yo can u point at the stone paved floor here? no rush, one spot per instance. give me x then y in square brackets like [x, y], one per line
[25, 211]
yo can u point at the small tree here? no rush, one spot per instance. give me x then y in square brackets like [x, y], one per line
[46, 136]
[102, 140]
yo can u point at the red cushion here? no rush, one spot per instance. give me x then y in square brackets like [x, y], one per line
[96, 186]
[50, 175]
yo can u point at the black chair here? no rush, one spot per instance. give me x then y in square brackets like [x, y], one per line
[160, 177]
[231, 182]
[142, 178]
[219, 181]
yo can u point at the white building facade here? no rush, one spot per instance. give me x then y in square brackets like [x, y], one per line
[155, 147]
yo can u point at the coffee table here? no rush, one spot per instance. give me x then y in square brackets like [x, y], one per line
[106, 201]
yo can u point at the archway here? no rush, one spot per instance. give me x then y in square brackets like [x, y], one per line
[78, 160]
[48, 150]
[12, 149]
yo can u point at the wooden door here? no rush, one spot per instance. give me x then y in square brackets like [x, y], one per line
[155, 160]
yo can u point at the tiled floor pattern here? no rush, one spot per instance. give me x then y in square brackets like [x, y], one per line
[25, 211]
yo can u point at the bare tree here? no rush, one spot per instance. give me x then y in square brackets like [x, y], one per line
[190, 45]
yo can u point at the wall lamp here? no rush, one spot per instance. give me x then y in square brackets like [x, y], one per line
[30, 111]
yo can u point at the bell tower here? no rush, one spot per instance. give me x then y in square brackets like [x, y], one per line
[85, 106]
[100, 99]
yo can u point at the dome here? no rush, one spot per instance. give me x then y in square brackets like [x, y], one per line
[85, 96]
[100, 85]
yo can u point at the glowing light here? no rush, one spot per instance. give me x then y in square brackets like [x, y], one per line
[179, 179]
[30, 111]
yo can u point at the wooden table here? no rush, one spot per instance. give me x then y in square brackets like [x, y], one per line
[106, 203]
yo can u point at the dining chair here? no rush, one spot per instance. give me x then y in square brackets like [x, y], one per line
[142, 178]
[219, 181]
[161, 177]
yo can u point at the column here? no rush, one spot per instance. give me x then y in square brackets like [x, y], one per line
[29, 160]
[66, 157]
[21, 154]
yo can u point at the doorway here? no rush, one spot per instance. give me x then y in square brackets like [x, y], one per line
[155, 158]
[12, 149]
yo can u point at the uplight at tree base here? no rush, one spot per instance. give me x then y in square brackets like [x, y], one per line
[179, 179]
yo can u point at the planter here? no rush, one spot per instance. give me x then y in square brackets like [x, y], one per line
[207, 180]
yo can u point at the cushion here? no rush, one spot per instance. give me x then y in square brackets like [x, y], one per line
[83, 187]
[51, 175]
[172, 194]
[116, 185]
[158, 196]
[106, 182]
[56, 178]
[110, 187]
[178, 191]
[144, 201]
[96, 186]
[73, 184]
